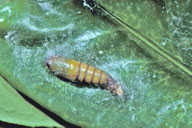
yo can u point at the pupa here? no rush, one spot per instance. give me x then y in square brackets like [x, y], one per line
[78, 71]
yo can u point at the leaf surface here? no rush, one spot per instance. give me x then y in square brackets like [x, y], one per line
[14, 109]
[154, 97]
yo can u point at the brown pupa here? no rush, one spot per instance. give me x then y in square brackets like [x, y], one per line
[77, 71]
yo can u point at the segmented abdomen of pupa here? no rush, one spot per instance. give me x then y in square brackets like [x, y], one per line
[77, 71]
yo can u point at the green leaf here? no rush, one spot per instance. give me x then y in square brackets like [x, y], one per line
[143, 24]
[154, 96]
[9, 12]
[14, 109]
